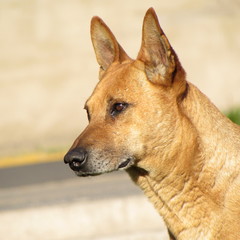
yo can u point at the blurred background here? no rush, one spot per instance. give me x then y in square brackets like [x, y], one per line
[48, 70]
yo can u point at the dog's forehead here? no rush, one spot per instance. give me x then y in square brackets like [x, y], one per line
[121, 81]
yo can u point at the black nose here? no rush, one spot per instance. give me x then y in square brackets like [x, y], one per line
[76, 158]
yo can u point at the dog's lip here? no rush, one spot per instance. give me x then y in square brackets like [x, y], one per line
[126, 163]
[86, 174]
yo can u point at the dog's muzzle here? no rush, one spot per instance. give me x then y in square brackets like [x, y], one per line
[85, 163]
[76, 159]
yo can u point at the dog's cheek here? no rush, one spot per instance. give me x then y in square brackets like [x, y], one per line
[134, 142]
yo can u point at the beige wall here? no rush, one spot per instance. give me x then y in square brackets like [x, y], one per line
[48, 69]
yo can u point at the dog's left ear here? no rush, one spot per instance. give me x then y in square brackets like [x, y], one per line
[106, 47]
[161, 62]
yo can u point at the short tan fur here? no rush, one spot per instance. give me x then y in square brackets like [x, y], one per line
[146, 118]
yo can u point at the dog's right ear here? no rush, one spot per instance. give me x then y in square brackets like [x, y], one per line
[106, 47]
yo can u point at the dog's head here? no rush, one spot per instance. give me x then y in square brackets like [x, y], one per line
[132, 111]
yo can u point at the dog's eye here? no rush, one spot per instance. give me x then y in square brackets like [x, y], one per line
[118, 108]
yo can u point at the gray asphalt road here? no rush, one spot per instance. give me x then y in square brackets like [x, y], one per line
[47, 201]
[34, 174]
[52, 183]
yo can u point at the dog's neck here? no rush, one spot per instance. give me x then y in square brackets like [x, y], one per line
[219, 153]
[189, 193]
[180, 202]
[203, 114]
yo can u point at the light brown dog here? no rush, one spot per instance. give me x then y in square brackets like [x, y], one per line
[174, 143]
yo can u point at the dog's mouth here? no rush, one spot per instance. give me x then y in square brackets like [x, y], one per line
[86, 174]
[125, 164]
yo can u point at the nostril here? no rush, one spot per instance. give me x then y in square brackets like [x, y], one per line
[76, 164]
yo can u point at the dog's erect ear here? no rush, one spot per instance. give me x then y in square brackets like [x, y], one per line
[106, 47]
[156, 52]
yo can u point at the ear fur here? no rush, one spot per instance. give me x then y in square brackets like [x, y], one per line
[106, 47]
[160, 60]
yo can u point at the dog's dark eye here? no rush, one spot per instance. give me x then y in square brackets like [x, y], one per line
[118, 108]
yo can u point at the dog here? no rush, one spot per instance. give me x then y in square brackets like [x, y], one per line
[146, 118]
